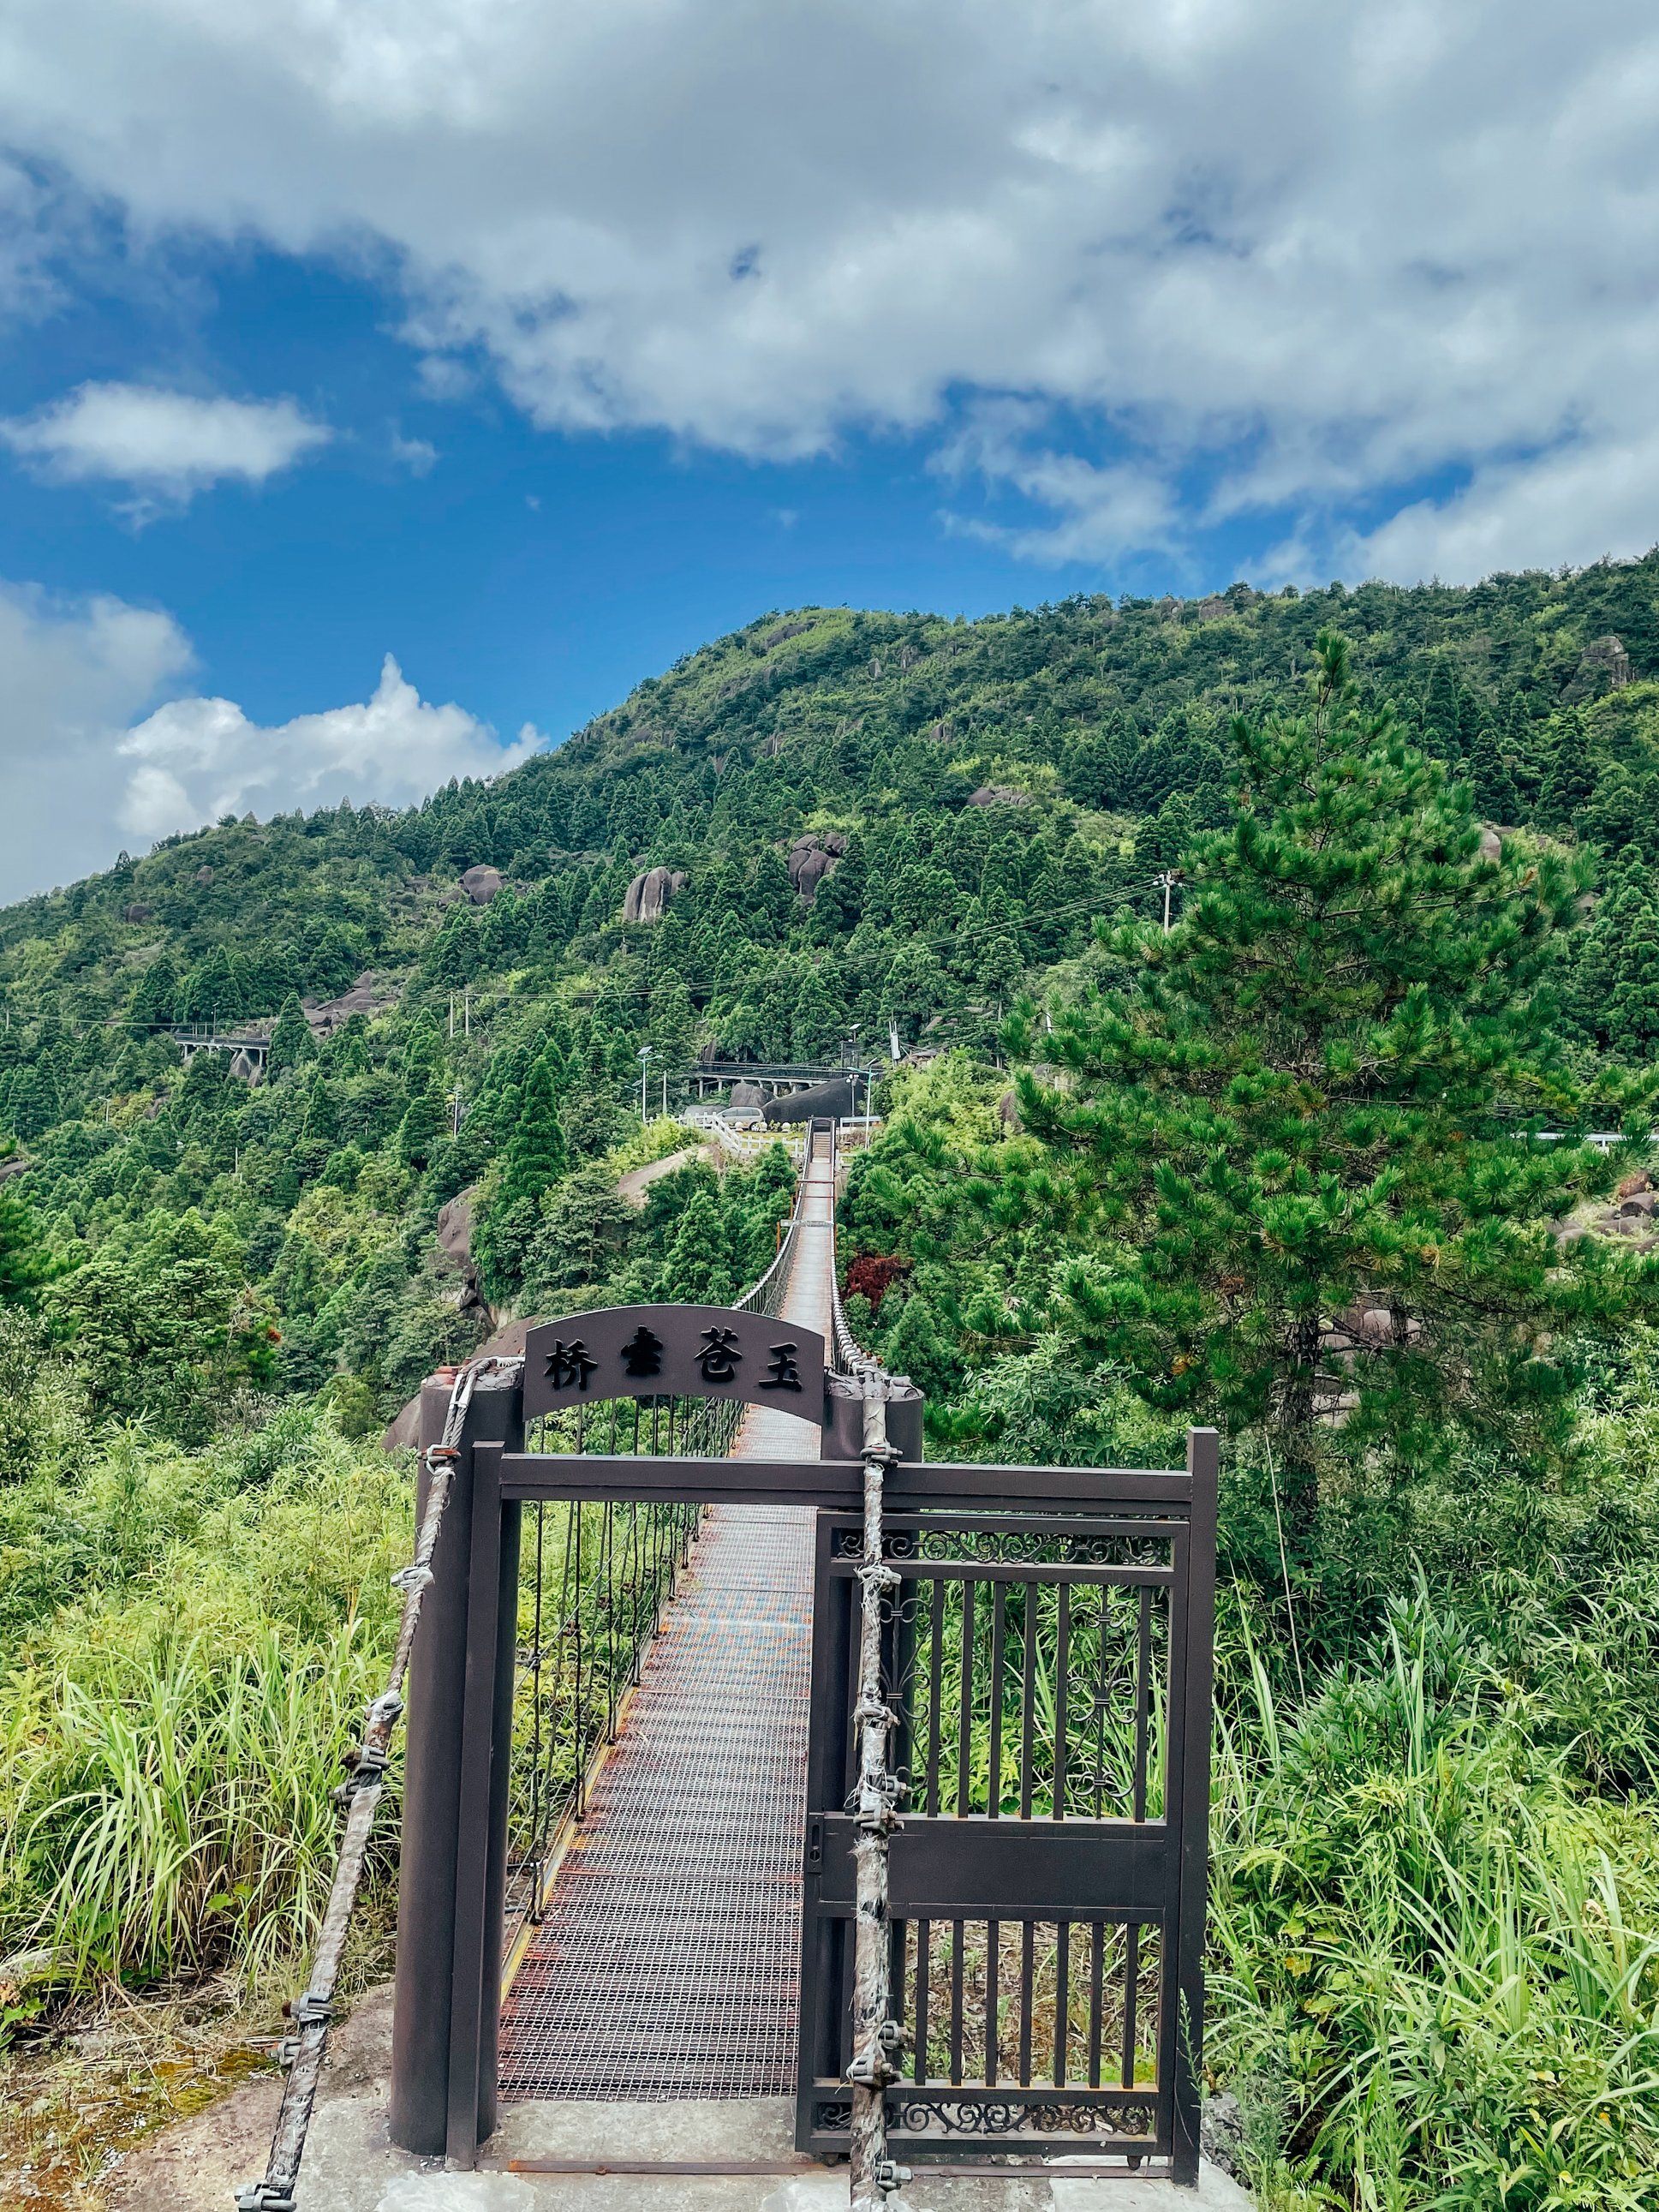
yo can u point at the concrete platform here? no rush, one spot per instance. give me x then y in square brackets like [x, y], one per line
[351, 2167]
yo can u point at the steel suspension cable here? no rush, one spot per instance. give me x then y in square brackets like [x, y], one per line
[302, 2052]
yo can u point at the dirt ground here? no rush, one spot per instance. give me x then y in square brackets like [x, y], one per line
[169, 2107]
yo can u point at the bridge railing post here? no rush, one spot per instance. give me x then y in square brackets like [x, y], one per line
[452, 1864]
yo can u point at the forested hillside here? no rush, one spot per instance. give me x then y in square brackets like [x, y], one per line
[999, 786]
[1280, 1168]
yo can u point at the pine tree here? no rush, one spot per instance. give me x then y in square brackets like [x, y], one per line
[26, 1262]
[536, 1151]
[698, 1268]
[1311, 1111]
[291, 1040]
[1569, 778]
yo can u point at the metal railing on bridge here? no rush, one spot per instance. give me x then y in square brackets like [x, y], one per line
[597, 1578]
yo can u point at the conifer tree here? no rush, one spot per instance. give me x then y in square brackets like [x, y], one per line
[1299, 1142]
[1569, 778]
[425, 1124]
[1495, 793]
[698, 1268]
[26, 1261]
[291, 1040]
[535, 1154]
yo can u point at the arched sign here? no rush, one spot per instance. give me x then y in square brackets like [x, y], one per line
[661, 1351]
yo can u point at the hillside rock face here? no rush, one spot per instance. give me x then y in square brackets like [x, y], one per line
[1609, 652]
[999, 794]
[365, 997]
[649, 894]
[455, 1243]
[138, 912]
[813, 857]
[480, 885]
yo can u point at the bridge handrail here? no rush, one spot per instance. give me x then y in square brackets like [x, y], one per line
[847, 1355]
[766, 1295]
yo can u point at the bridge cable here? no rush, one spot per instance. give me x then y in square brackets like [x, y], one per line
[302, 2052]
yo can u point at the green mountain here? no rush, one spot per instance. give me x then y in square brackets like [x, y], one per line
[886, 825]
[1265, 1167]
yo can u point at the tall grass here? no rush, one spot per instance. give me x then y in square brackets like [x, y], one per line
[173, 1736]
[1435, 1954]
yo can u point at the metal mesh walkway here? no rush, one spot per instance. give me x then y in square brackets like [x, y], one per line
[668, 1964]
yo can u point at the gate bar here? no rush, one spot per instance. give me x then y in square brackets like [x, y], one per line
[1203, 1466]
[838, 1484]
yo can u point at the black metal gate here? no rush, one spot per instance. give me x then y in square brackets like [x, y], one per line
[1049, 1656]
[1049, 1660]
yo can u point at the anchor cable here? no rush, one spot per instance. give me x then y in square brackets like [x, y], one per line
[301, 2053]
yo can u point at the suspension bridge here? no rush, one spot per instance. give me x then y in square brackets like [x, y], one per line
[782, 1813]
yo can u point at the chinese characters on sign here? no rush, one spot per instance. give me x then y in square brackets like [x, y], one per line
[785, 1370]
[720, 1359]
[663, 1352]
[568, 1366]
[643, 1354]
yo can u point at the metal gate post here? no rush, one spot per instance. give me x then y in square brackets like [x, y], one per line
[1203, 1464]
[435, 1792]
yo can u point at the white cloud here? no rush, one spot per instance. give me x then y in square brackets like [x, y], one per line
[171, 443]
[84, 775]
[1316, 254]
[1101, 512]
[418, 455]
[1588, 498]
[196, 759]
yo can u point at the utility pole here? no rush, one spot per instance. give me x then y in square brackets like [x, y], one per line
[645, 1110]
[467, 1009]
[1169, 880]
[451, 1017]
[455, 1127]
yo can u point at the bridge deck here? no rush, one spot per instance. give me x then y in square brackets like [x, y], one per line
[668, 1965]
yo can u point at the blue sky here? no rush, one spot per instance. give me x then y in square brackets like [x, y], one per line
[535, 574]
[531, 348]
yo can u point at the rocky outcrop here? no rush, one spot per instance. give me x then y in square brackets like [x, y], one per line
[650, 893]
[481, 884]
[203, 874]
[1609, 652]
[138, 912]
[813, 857]
[747, 1099]
[999, 794]
[455, 1243]
[366, 997]
[632, 1187]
